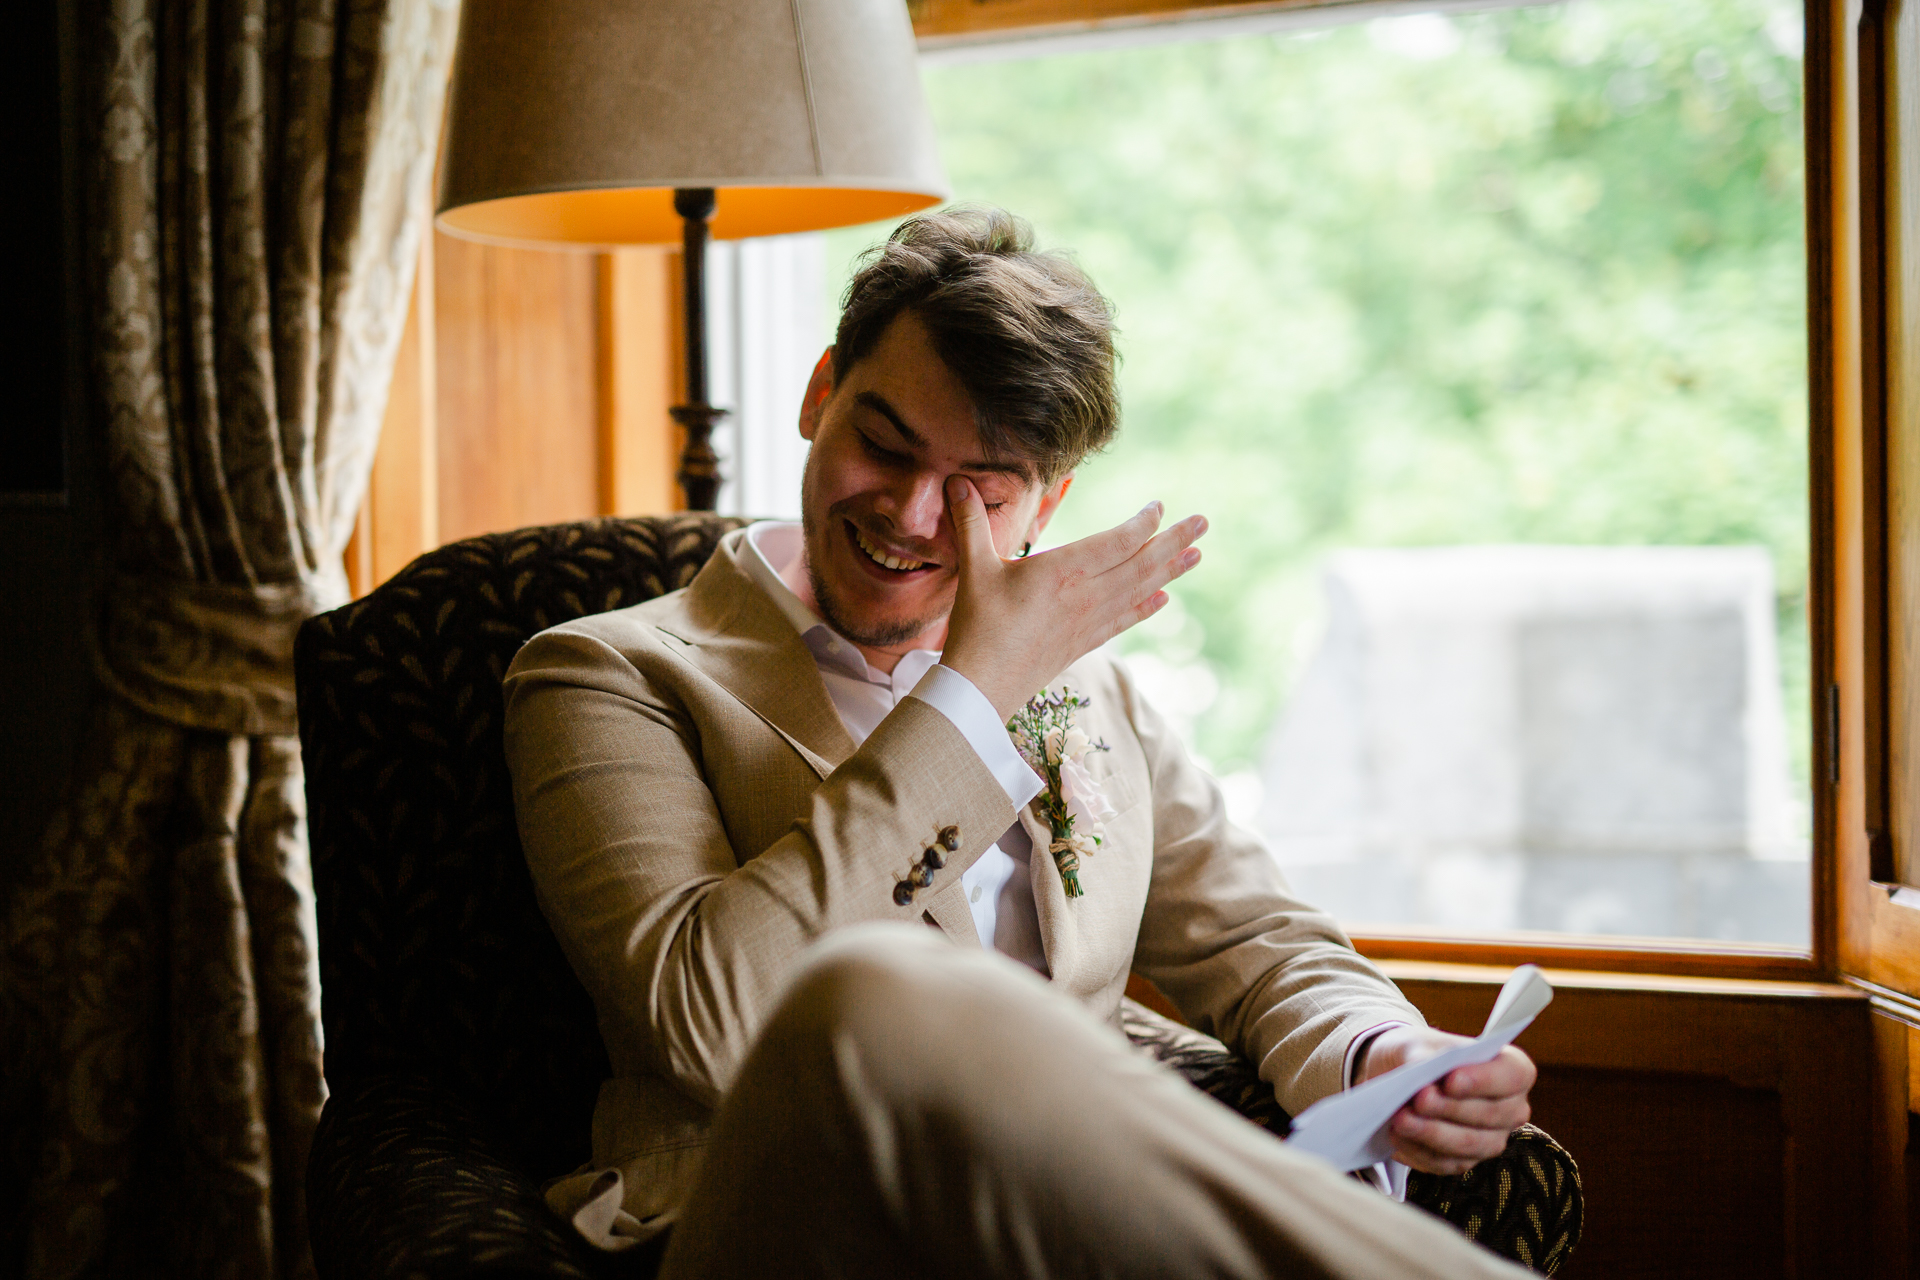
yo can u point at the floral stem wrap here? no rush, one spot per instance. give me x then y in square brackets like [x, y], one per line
[1048, 740]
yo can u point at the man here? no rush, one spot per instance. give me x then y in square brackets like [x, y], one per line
[854, 1013]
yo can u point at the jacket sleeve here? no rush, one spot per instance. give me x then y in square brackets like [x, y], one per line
[684, 940]
[1224, 937]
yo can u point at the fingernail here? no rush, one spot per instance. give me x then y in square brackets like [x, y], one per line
[956, 490]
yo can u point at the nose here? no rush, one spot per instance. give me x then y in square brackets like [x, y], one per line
[916, 504]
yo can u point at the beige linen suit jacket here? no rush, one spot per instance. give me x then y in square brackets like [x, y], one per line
[695, 815]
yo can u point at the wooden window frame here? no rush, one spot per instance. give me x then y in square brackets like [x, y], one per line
[1874, 437]
[1864, 928]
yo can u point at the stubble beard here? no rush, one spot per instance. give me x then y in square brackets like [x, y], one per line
[834, 612]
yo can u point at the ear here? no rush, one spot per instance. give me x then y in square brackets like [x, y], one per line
[819, 387]
[1049, 503]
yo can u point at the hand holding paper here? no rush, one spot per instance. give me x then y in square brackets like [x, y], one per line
[1350, 1129]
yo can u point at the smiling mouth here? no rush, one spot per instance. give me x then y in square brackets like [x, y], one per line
[885, 559]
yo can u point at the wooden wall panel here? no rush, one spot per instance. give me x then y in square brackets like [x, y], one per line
[531, 387]
[519, 388]
[1694, 1190]
[1893, 1183]
[1899, 1255]
[1722, 1128]
[640, 371]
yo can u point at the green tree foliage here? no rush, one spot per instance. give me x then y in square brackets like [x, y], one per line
[1534, 275]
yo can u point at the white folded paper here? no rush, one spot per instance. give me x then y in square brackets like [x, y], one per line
[1349, 1130]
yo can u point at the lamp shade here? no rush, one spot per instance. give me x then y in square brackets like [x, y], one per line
[573, 122]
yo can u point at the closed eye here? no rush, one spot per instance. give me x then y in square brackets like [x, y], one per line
[890, 458]
[878, 454]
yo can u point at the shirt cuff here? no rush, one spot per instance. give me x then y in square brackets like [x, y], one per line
[955, 697]
[1389, 1177]
[1359, 1043]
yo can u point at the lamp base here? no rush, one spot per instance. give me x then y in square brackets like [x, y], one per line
[699, 465]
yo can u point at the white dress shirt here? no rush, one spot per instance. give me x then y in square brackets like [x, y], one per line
[1000, 884]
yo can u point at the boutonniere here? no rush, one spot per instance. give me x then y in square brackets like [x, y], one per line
[1055, 747]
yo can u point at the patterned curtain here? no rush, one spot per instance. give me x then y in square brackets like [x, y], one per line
[256, 174]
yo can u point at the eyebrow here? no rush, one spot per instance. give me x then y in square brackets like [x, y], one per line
[878, 403]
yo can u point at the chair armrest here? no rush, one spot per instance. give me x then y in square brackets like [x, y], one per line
[1525, 1204]
[1207, 1065]
[404, 1182]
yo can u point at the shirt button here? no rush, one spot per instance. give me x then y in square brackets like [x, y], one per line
[975, 895]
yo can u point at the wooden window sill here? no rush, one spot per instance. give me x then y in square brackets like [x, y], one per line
[1668, 956]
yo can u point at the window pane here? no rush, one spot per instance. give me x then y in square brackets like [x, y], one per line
[1481, 341]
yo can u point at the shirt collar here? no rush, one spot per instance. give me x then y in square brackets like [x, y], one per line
[773, 545]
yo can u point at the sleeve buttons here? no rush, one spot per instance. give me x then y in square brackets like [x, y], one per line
[931, 860]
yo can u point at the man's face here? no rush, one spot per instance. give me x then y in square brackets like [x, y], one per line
[879, 543]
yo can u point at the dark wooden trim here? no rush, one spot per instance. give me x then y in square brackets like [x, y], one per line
[943, 23]
[1602, 954]
[1417, 974]
[1845, 900]
[1819, 106]
[1885, 861]
[1891, 1139]
[1887, 1001]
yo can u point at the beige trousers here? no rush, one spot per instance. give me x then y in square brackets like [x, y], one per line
[913, 1109]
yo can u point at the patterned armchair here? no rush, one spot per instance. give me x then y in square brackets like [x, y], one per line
[462, 1054]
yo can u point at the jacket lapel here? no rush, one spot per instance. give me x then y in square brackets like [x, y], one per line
[1080, 935]
[740, 639]
[1059, 922]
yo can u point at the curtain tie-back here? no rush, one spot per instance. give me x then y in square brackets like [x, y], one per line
[206, 655]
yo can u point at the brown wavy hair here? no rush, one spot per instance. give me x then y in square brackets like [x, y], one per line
[1027, 333]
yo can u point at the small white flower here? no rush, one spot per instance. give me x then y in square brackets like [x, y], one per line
[1086, 803]
[1075, 744]
[1054, 739]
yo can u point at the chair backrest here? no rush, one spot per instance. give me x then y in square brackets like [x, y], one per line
[435, 960]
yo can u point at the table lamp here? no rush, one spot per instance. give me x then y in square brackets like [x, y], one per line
[595, 124]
